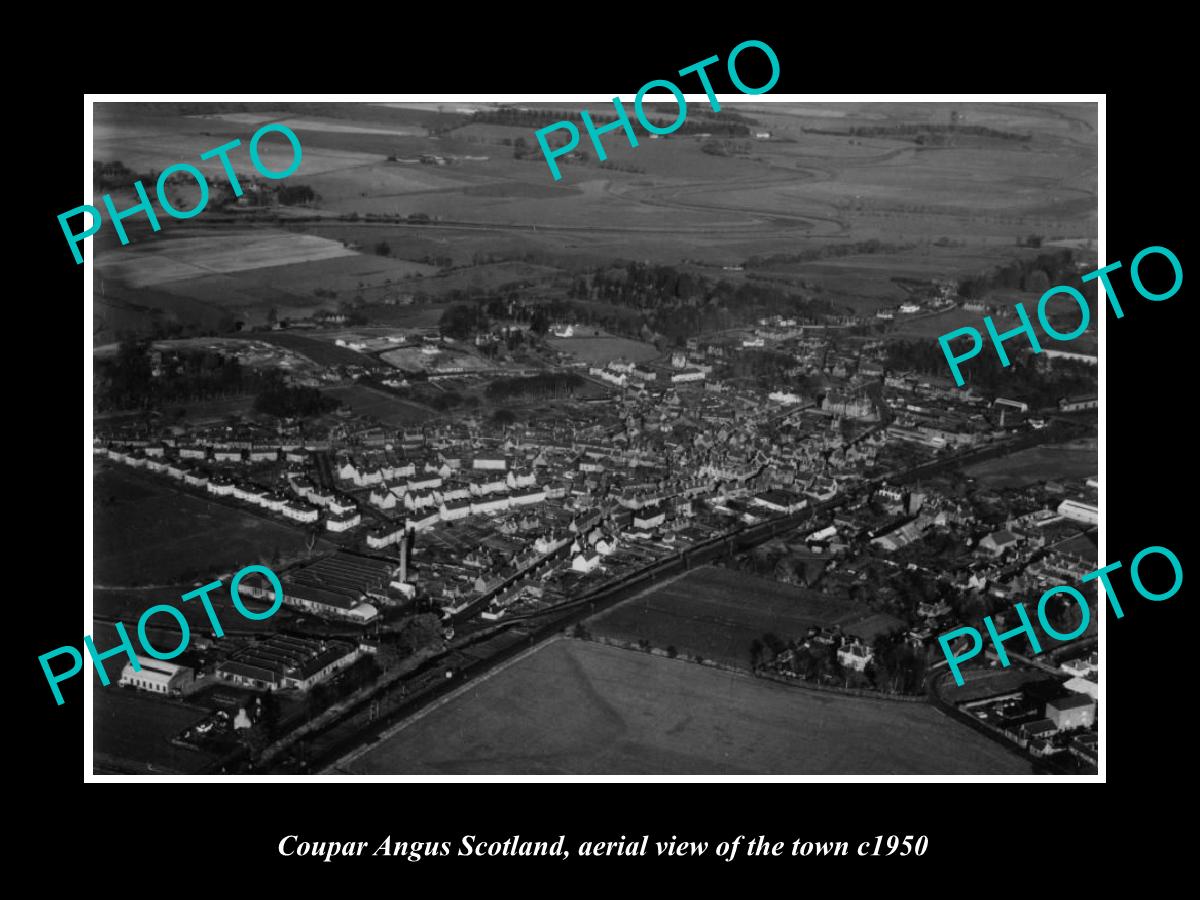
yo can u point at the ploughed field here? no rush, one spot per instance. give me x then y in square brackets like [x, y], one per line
[828, 176]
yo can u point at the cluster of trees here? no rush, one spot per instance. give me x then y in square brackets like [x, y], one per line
[929, 130]
[513, 340]
[621, 167]
[536, 119]
[295, 194]
[724, 148]
[361, 672]
[775, 560]
[278, 398]
[678, 303]
[873, 245]
[767, 366]
[1023, 380]
[548, 385]
[428, 394]
[814, 663]
[638, 300]
[640, 285]
[128, 381]
[417, 632]
[354, 314]
[897, 667]
[115, 174]
[463, 321]
[1064, 614]
[1035, 274]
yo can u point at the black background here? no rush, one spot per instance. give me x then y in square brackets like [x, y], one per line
[977, 833]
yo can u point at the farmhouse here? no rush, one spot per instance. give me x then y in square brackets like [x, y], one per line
[855, 655]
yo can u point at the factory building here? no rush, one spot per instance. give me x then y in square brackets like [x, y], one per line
[157, 676]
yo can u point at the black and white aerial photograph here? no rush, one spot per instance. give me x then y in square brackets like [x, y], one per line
[656, 468]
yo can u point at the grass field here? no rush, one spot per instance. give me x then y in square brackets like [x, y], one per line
[134, 729]
[323, 353]
[604, 349]
[716, 613]
[411, 359]
[1036, 464]
[574, 707]
[390, 410]
[147, 532]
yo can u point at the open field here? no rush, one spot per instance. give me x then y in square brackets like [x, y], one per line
[302, 123]
[322, 352]
[716, 613]
[604, 349]
[207, 277]
[251, 267]
[416, 359]
[574, 707]
[202, 412]
[390, 410]
[812, 183]
[1050, 463]
[158, 262]
[133, 729]
[147, 532]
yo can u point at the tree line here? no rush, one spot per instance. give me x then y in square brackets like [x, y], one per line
[1025, 380]
[278, 398]
[547, 385]
[537, 119]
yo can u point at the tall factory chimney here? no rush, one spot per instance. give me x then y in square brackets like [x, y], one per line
[405, 542]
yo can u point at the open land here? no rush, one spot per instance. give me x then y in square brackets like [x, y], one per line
[716, 613]
[583, 708]
[940, 210]
[135, 730]
[603, 349]
[148, 532]
[1036, 464]
[390, 410]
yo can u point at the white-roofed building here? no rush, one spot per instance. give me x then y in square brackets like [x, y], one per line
[158, 676]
